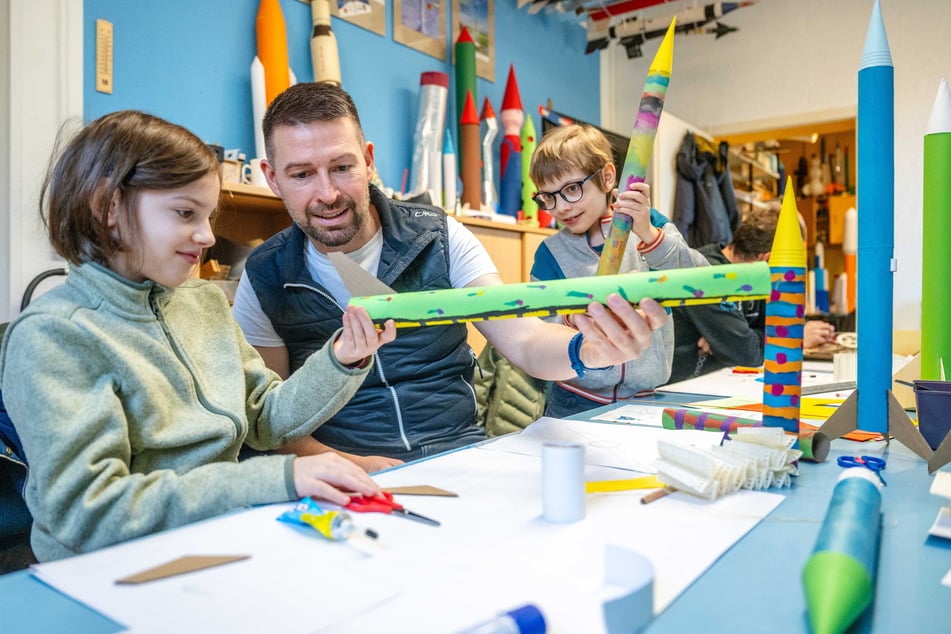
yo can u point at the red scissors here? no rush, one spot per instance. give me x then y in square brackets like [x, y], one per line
[383, 503]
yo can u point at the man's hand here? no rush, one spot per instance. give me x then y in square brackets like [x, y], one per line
[360, 337]
[619, 332]
[372, 464]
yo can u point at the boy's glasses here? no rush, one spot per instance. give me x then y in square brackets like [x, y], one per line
[571, 193]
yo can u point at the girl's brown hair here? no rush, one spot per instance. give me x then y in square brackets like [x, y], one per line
[124, 152]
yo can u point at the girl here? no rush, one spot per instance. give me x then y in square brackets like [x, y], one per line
[573, 170]
[130, 385]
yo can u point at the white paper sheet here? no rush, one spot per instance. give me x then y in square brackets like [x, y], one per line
[295, 581]
[511, 556]
[492, 553]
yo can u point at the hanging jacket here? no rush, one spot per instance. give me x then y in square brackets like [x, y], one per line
[704, 204]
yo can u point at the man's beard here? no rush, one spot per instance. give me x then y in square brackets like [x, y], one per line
[339, 236]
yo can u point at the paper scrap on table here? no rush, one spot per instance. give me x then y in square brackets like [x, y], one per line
[180, 566]
[421, 489]
[633, 415]
[612, 486]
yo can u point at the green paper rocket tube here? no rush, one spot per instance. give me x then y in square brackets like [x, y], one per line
[675, 287]
[814, 446]
[640, 148]
[935, 254]
[529, 207]
[839, 577]
[704, 421]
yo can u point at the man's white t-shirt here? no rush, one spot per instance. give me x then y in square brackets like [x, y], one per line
[468, 260]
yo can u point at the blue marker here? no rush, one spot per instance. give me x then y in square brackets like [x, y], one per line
[527, 619]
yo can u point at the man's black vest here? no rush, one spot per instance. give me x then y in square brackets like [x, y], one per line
[419, 391]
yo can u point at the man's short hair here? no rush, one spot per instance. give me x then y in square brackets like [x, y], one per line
[305, 103]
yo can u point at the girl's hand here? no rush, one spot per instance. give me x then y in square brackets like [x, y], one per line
[327, 475]
[636, 203]
[360, 337]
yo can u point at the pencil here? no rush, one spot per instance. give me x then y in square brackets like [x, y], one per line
[658, 494]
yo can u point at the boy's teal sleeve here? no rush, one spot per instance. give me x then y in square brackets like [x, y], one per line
[546, 266]
[658, 219]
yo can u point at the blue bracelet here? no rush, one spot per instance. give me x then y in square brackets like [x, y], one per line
[574, 356]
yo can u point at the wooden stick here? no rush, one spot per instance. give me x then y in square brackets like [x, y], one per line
[658, 494]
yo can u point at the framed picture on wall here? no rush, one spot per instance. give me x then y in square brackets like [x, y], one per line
[367, 14]
[421, 24]
[478, 16]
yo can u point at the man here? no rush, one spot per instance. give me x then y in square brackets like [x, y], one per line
[418, 400]
[713, 336]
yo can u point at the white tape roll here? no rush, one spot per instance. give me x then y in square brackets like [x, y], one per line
[562, 482]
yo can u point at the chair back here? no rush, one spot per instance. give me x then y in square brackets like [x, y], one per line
[15, 518]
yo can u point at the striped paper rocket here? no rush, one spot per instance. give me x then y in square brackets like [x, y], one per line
[704, 421]
[785, 320]
[640, 148]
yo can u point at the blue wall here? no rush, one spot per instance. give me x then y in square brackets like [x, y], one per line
[188, 61]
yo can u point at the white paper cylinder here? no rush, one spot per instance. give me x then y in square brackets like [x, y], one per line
[562, 482]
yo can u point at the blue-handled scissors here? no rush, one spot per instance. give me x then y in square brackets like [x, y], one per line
[869, 462]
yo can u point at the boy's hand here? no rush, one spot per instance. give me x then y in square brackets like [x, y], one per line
[360, 337]
[636, 203]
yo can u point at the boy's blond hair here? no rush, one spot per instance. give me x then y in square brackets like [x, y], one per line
[573, 146]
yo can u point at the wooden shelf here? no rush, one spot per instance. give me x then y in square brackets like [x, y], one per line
[248, 214]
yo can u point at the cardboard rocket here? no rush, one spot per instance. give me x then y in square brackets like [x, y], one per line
[510, 156]
[529, 141]
[323, 45]
[464, 66]
[270, 70]
[469, 148]
[674, 287]
[872, 406]
[617, 21]
[490, 196]
[935, 254]
[785, 321]
[640, 149]
[839, 576]
[426, 168]
[450, 174]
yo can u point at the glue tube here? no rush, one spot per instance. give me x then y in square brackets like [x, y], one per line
[526, 619]
[334, 525]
